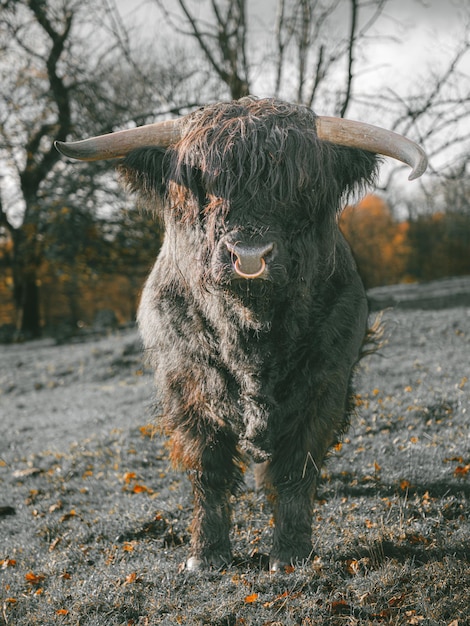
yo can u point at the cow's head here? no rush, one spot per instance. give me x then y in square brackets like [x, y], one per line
[248, 178]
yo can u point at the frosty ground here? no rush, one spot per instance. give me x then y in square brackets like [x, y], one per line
[94, 521]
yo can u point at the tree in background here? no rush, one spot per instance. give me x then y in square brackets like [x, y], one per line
[439, 229]
[91, 263]
[315, 52]
[222, 39]
[27, 123]
[66, 70]
[304, 58]
[432, 243]
[379, 243]
[69, 69]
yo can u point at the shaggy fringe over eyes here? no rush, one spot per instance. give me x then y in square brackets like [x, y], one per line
[250, 147]
[246, 150]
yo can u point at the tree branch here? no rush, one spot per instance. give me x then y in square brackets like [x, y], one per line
[351, 48]
[228, 28]
[39, 164]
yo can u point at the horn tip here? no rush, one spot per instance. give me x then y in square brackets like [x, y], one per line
[420, 167]
[67, 149]
[59, 146]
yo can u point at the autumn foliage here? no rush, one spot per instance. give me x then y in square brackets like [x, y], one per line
[389, 252]
[379, 244]
[88, 264]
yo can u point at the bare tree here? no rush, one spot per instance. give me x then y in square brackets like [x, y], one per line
[66, 69]
[437, 113]
[222, 37]
[38, 157]
[298, 25]
[303, 46]
[317, 42]
[318, 50]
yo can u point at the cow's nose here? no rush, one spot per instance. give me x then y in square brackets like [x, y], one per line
[249, 261]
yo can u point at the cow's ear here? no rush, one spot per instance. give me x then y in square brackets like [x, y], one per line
[354, 168]
[143, 171]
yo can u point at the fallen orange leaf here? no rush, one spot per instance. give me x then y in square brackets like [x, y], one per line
[131, 578]
[382, 615]
[353, 567]
[458, 459]
[461, 470]
[141, 489]
[129, 476]
[34, 579]
[67, 516]
[251, 598]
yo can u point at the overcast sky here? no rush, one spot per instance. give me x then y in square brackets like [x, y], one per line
[414, 38]
[427, 29]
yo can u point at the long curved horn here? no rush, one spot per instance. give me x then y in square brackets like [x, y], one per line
[373, 139]
[333, 129]
[117, 145]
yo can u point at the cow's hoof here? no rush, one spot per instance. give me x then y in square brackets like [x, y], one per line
[280, 565]
[195, 564]
[276, 565]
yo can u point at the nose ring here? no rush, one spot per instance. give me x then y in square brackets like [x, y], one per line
[243, 274]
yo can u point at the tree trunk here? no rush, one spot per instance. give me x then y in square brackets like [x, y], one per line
[29, 310]
[26, 288]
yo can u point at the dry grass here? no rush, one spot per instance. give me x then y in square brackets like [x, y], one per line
[98, 521]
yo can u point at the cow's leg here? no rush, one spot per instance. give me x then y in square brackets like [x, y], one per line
[292, 476]
[215, 474]
[301, 444]
[291, 480]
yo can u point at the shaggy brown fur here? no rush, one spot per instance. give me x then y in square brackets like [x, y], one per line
[252, 367]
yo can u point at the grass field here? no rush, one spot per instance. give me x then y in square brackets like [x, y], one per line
[94, 521]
